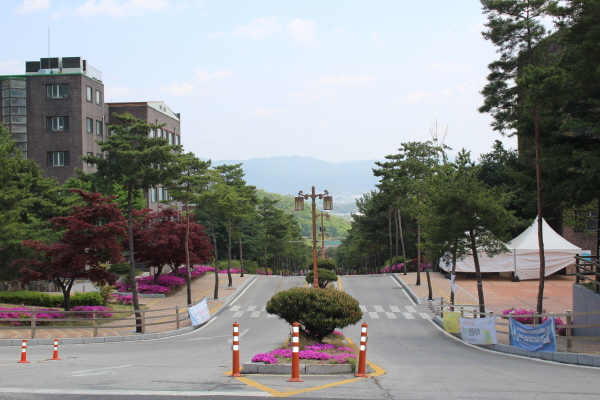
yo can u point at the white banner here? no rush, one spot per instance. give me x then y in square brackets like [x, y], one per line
[199, 313]
[478, 330]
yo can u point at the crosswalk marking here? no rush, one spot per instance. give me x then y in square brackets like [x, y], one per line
[379, 312]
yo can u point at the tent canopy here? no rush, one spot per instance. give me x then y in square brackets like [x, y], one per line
[522, 256]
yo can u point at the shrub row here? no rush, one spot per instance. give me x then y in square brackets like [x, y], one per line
[40, 299]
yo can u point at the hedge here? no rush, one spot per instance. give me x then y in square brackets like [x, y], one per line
[40, 299]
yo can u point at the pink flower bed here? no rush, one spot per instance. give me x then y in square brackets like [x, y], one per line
[19, 312]
[85, 312]
[117, 298]
[321, 352]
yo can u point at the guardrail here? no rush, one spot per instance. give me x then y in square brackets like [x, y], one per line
[472, 311]
[95, 323]
[585, 266]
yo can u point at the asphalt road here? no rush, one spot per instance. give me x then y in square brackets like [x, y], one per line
[420, 360]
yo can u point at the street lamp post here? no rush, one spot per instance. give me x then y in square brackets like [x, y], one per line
[323, 234]
[327, 205]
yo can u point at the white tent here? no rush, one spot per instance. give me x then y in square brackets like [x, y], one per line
[522, 256]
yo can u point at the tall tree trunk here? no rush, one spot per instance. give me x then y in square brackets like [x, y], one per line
[229, 252]
[430, 291]
[418, 254]
[452, 278]
[186, 246]
[241, 256]
[402, 241]
[216, 255]
[538, 175]
[390, 235]
[477, 271]
[134, 291]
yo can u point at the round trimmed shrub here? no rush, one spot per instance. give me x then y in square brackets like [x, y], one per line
[326, 263]
[324, 276]
[318, 311]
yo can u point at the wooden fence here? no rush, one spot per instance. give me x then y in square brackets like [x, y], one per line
[146, 319]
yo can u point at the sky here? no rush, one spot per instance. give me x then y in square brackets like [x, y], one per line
[329, 79]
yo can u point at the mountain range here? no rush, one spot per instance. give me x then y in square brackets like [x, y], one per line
[287, 175]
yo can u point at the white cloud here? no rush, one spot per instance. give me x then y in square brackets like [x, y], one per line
[342, 80]
[416, 96]
[115, 9]
[32, 6]
[11, 67]
[419, 96]
[178, 90]
[260, 28]
[204, 76]
[301, 30]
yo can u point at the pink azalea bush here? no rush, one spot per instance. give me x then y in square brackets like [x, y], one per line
[319, 351]
[7, 314]
[117, 298]
[85, 312]
[528, 319]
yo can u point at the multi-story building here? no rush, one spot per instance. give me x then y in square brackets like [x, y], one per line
[56, 113]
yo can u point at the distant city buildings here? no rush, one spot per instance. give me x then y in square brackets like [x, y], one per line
[56, 112]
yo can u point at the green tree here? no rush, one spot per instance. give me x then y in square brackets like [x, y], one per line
[324, 276]
[465, 215]
[192, 180]
[135, 161]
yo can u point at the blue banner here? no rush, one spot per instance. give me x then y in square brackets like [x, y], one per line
[533, 338]
[199, 313]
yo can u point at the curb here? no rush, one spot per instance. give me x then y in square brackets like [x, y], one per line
[589, 360]
[309, 369]
[128, 338]
[412, 294]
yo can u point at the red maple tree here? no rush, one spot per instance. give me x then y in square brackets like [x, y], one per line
[159, 239]
[92, 237]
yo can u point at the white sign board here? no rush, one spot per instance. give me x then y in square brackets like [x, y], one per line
[478, 330]
[199, 313]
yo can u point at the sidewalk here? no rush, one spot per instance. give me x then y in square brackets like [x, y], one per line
[502, 294]
[499, 293]
[201, 287]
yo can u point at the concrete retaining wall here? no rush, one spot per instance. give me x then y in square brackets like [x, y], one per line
[584, 300]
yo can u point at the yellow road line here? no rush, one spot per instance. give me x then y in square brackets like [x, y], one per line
[340, 287]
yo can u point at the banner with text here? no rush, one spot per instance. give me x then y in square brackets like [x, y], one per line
[478, 330]
[199, 313]
[451, 323]
[533, 338]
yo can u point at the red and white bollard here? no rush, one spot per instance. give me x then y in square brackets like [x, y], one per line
[236, 350]
[24, 353]
[362, 358]
[55, 356]
[295, 353]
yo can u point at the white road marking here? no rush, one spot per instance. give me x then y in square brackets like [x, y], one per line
[238, 314]
[234, 308]
[408, 315]
[98, 371]
[394, 309]
[363, 308]
[255, 314]
[425, 315]
[410, 309]
[124, 392]
[251, 308]
[373, 315]
[378, 308]
[244, 291]
[391, 315]
[271, 315]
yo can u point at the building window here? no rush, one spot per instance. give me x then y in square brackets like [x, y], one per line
[58, 91]
[18, 120]
[178, 139]
[18, 129]
[90, 154]
[21, 140]
[57, 123]
[89, 94]
[14, 101]
[89, 125]
[99, 128]
[153, 194]
[171, 138]
[58, 158]
[98, 97]
[14, 93]
[18, 111]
